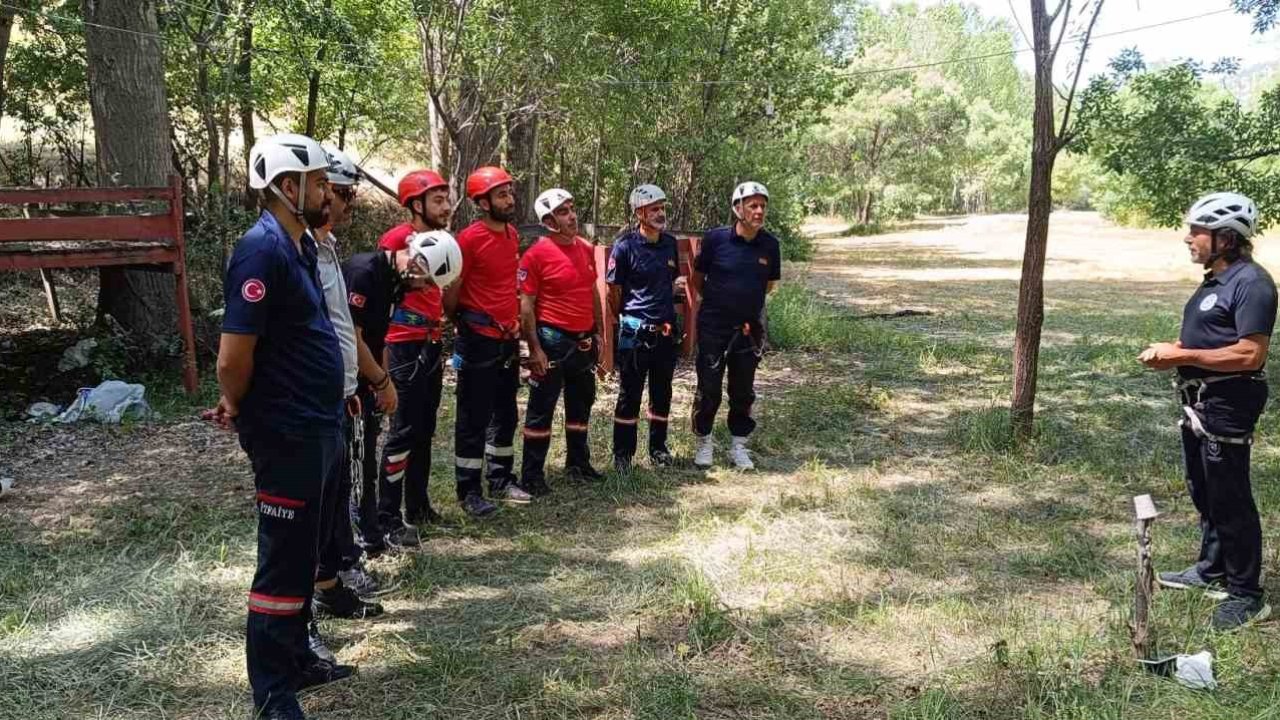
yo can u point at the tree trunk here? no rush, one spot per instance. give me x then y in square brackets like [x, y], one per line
[210, 121]
[1044, 150]
[522, 153]
[6, 30]
[313, 96]
[131, 124]
[244, 84]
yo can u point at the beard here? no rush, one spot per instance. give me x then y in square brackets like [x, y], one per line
[505, 216]
[316, 217]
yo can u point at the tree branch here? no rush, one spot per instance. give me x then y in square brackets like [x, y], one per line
[1063, 137]
[1062, 30]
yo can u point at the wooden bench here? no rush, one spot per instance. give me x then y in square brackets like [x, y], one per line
[149, 240]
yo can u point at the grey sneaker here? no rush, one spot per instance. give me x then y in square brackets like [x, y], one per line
[360, 581]
[403, 537]
[1191, 579]
[509, 492]
[1239, 611]
[316, 643]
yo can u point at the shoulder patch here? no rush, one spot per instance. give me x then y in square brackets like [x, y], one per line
[522, 274]
[253, 290]
[356, 300]
[763, 260]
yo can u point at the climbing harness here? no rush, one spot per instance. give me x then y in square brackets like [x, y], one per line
[1190, 394]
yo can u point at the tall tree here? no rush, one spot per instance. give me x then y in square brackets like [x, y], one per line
[6, 30]
[1050, 134]
[131, 125]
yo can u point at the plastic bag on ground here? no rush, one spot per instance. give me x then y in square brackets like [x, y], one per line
[109, 403]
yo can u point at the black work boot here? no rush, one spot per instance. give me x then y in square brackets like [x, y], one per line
[476, 506]
[341, 601]
[583, 473]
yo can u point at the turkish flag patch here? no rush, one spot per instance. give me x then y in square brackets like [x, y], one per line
[253, 290]
[613, 263]
[522, 274]
[356, 300]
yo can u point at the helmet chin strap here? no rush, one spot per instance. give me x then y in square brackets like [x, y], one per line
[295, 210]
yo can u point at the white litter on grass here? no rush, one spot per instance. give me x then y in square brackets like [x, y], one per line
[1192, 671]
[6, 484]
[43, 411]
[108, 403]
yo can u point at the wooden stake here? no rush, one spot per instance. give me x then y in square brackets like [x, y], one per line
[1140, 633]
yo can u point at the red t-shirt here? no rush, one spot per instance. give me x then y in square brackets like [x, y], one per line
[425, 302]
[489, 262]
[562, 277]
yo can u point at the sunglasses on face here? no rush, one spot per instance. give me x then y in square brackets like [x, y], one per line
[346, 192]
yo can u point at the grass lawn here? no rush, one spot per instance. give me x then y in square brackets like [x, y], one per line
[893, 557]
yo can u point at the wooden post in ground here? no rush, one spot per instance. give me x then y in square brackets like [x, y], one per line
[51, 294]
[1139, 631]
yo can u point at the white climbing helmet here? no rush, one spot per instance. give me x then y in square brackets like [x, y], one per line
[745, 190]
[549, 200]
[341, 170]
[438, 253]
[646, 195]
[1225, 210]
[277, 154]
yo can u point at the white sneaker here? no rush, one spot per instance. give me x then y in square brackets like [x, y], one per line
[706, 452]
[738, 453]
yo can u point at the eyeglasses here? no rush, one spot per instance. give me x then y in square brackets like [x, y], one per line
[346, 192]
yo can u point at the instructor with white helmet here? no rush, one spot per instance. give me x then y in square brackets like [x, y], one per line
[1219, 358]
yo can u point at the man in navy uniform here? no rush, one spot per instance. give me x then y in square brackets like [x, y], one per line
[644, 278]
[281, 375]
[736, 268]
[1219, 357]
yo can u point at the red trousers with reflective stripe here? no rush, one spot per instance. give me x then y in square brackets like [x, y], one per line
[289, 474]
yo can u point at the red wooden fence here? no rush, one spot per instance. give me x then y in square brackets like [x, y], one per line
[688, 246]
[147, 240]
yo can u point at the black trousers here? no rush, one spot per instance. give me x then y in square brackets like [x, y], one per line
[416, 369]
[721, 349]
[485, 426]
[650, 357]
[1219, 484]
[289, 475]
[574, 373]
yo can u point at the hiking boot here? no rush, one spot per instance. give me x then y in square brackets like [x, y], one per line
[537, 487]
[509, 492]
[1191, 579]
[706, 453]
[292, 711]
[425, 516]
[476, 506]
[340, 601]
[661, 458]
[621, 464]
[403, 537]
[360, 581]
[739, 455]
[322, 672]
[1238, 611]
[583, 473]
[316, 643]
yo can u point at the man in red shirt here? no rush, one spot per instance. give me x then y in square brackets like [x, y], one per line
[414, 363]
[560, 318]
[485, 309]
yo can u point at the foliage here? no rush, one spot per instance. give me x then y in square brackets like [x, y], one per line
[932, 136]
[1172, 134]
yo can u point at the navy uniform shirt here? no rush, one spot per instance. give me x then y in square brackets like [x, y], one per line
[737, 273]
[1239, 302]
[273, 291]
[645, 272]
[370, 282]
